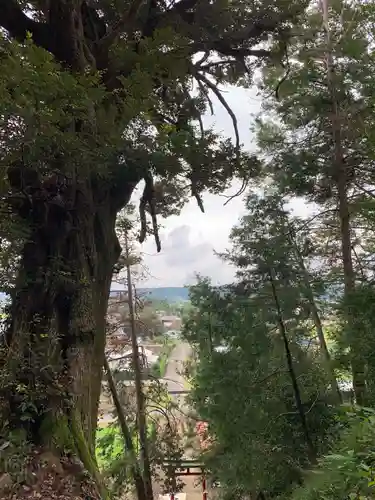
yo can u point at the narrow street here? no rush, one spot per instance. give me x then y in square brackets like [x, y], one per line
[176, 382]
[173, 377]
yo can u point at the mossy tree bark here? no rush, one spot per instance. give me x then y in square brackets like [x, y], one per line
[52, 360]
[54, 346]
[51, 363]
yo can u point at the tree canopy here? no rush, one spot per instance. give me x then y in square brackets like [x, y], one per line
[95, 97]
[98, 97]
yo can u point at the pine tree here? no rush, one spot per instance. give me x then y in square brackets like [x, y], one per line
[245, 393]
[270, 245]
[317, 144]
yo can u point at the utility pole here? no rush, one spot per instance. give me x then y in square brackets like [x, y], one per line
[140, 397]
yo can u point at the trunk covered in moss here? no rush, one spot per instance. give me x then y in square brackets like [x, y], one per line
[53, 354]
[52, 357]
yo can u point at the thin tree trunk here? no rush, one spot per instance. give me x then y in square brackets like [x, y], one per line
[136, 472]
[316, 318]
[341, 177]
[140, 397]
[296, 390]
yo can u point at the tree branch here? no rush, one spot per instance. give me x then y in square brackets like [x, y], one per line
[18, 24]
[224, 103]
[148, 197]
[123, 24]
[182, 6]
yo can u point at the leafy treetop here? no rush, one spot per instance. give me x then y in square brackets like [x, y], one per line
[114, 92]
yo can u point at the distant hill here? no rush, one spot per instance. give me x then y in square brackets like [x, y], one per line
[168, 293]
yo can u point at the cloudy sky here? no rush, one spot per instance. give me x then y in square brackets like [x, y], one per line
[189, 240]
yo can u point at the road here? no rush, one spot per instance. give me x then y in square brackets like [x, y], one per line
[173, 378]
[175, 381]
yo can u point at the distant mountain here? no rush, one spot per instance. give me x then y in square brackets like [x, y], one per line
[168, 293]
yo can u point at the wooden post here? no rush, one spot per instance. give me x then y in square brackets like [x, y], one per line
[204, 485]
[174, 484]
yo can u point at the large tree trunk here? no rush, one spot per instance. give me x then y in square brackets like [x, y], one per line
[52, 360]
[54, 347]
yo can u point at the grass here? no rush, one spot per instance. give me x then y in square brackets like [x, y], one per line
[110, 444]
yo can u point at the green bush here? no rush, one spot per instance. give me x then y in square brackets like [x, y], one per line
[155, 370]
[109, 445]
[158, 369]
[348, 472]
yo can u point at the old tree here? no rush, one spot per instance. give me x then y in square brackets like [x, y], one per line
[97, 96]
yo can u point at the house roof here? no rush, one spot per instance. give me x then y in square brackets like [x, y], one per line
[170, 318]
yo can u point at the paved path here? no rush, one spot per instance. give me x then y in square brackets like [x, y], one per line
[175, 381]
[173, 378]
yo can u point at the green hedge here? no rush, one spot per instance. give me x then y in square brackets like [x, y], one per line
[159, 368]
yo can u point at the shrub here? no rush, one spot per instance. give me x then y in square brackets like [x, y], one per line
[348, 472]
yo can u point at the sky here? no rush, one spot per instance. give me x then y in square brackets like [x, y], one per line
[190, 239]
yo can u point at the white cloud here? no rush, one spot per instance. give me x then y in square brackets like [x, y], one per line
[189, 240]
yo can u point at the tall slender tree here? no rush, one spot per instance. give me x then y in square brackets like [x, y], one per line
[269, 240]
[139, 392]
[341, 175]
[317, 145]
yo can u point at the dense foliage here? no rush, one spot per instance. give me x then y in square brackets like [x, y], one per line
[96, 97]
[347, 472]
[246, 395]
[304, 281]
[316, 145]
